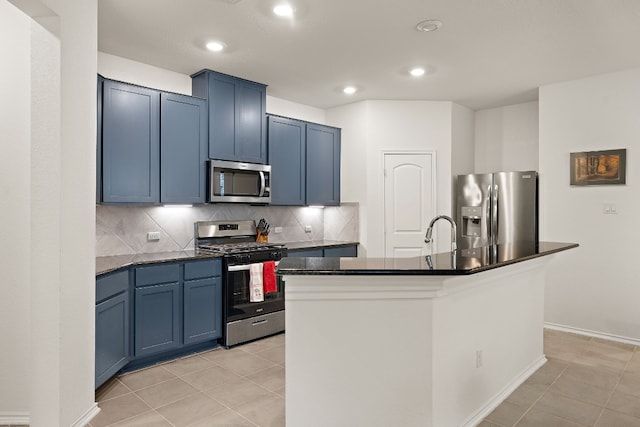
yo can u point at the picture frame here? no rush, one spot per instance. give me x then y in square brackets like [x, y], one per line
[605, 167]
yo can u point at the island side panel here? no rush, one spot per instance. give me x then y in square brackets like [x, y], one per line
[402, 350]
[499, 313]
[358, 352]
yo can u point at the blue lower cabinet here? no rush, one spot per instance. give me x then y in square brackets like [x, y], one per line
[329, 252]
[202, 310]
[112, 337]
[158, 319]
[303, 253]
[341, 251]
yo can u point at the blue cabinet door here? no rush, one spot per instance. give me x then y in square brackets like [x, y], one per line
[222, 117]
[323, 165]
[237, 116]
[251, 139]
[287, 156]
[130, 144]
[157, 317]
[202, 310]
[112, 337]
[183, 148]
[99, 143]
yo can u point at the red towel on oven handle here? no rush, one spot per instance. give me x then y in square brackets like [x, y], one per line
[269, 277]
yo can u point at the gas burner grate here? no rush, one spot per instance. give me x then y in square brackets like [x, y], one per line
[235, 248]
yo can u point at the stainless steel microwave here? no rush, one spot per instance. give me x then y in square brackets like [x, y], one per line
[237, 182]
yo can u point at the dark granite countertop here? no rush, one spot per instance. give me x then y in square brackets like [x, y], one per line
[460, 262]
[108, 264]
[314, 244]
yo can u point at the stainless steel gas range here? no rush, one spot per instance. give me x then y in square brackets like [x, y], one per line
[248, 314]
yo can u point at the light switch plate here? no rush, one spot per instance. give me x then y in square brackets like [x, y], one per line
[609, 208]
[153, 235]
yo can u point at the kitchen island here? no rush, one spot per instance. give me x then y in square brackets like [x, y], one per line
[428, 341]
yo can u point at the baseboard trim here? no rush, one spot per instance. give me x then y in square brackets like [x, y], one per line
[589, 333]
[24, 418]
[20, 418]
[494, 402]
[87, 416]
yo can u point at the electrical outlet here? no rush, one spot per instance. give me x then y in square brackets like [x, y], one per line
[277, 230]
[153, 236]
[478, 358]
[307, 229]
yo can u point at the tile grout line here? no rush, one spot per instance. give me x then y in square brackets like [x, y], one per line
[616, 386]
[540, 397]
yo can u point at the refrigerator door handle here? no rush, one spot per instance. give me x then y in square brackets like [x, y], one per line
[488, 226]
[494, 216]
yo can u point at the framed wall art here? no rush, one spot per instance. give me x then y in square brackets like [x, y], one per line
[607, 167]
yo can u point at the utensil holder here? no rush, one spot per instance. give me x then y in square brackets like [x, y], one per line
[262, 238]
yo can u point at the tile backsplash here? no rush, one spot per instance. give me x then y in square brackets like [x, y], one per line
[122, 230]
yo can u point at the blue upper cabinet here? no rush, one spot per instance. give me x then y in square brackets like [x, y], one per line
[130, 144]
[305, 163]
[99, 143]
[152, 145]
[287, 156]
[183, 149]
[237, 116]
[323, 165]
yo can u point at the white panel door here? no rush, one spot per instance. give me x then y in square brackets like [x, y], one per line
[408, 202]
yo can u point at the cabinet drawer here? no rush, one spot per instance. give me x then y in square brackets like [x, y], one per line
[112, 284]
[201, 269]
[156, 274]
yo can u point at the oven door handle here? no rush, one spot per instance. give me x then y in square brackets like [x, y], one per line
[243, 267]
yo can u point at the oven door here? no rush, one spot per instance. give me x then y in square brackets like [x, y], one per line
[237, 288]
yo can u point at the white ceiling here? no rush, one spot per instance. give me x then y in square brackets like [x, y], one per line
[488, 53]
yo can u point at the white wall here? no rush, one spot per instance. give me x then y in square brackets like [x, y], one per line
[462, 140]
[50, 108]
[127, 70]
[282, 107]
[378, 126]
[15, 183]
[506, 138]
[595, 288]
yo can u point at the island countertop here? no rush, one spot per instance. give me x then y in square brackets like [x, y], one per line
[460, 262]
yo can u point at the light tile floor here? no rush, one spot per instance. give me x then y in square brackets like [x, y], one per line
[586, 382]
[243, 386]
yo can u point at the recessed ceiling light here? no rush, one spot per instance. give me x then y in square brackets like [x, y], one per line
[349, 90]
[283, 10]
[215, 46]
[429, 25]
[417, 72]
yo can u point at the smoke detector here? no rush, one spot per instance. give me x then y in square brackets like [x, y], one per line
[429, 25]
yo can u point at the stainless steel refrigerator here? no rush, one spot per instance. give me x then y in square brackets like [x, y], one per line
[496, 208]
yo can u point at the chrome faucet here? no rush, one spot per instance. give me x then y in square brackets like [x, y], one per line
[427, 237]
